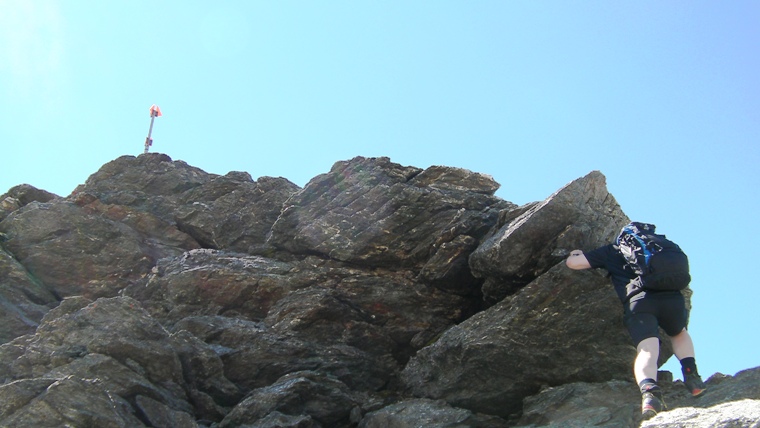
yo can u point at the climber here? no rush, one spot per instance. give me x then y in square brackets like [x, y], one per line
[645, 311]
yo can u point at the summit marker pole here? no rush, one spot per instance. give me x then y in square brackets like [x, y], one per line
[154, 113]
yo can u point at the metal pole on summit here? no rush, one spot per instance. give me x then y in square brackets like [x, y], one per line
[154, 113]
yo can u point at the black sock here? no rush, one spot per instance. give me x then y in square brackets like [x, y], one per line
[688, 366]
[649, 385]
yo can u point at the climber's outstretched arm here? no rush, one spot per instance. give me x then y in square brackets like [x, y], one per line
[577, 260]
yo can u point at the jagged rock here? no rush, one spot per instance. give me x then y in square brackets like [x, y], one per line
[211, 282]
[160, 415]
[357, 300]
[23, 298]
[149, 182]
[69, 401]
[721, 388]
[378, 312]
[324, 399]
[86, 247]
[22, 195]
[563, 327]
[429, 414]
[373, 212]
[254, 356]
[233, 213]
[730, 401]
[322, 302]
[116, 345]
[448, 268]
[610, 404]
[741, 413]
[532, 239]
[209, 391]
[223, 212]
[116, 327]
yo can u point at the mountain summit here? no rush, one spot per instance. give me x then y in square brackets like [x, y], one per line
[378, 295]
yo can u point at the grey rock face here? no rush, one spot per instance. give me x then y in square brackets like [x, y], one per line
[495, 359]
[159, 295]
[108, 353]
[532, 239]
[25, 300]
[372, 212]
[85, 247]
[22, 195]
[730, 401]
[222, 212]
[423, 412]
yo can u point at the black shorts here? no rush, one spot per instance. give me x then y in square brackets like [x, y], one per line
[644, 315]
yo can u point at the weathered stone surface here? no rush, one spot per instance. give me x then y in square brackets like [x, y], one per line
[356, 301]
[532, 239]
[72, 402]
[23, 299]
[741, 413]
[730, 401]
[324, 399]
[564, 327]
[159, 415]
[149, 182]
[254, 356]
[232, 213]
[430, 414]
[373, 212]
[721, 389]
[223, 212]
[114, 344]
[378, 312]
[22, 195]
[382, 312]
[89, 248]
[610, 404]
[211, 282]
[116, 327]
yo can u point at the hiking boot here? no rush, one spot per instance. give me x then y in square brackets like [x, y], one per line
[651, 404]
[694, 384]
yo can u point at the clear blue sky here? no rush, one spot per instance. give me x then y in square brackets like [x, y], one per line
[662, 97]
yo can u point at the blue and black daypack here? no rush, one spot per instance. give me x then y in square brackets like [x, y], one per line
[659, 262]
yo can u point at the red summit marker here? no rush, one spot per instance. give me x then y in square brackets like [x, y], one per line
[155, 112]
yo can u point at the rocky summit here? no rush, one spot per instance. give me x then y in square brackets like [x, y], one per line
[378, 295]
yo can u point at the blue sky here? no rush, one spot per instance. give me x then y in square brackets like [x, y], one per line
[662, 97]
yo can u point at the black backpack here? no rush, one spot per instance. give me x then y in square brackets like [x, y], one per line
[659, 262]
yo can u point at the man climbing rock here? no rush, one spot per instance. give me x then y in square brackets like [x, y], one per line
[649, 287]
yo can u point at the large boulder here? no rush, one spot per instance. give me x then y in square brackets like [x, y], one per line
[222, 212]
[563, 327]
[322, 399]
[65, 402]
[529, 240]
[731, 401]
[382, 312]
[254, 356]
[422, 412]
[361, 326]
[233, 212]
[23, 298]
[22, 195]
[373, 212]
[110, 351]
[195, 299]
[205, 282]
[150, 182]
[85, 247]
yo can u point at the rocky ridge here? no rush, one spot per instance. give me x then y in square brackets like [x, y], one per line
[378, 295]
